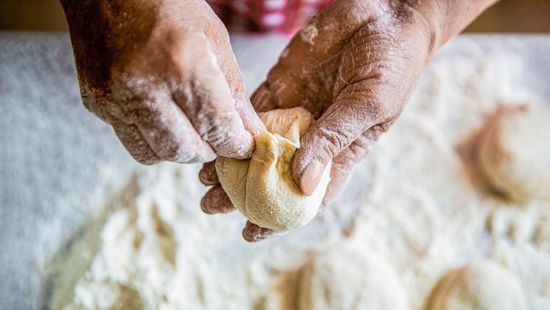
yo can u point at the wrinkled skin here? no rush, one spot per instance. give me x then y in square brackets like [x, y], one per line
[354, 67]
[162, 73]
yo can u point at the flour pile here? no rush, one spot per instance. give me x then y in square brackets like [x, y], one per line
[417, 206]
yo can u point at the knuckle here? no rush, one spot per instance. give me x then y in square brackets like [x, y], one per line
[334, 140]
[227, 138]
[173, 141]
[190, 49]
[381, 111]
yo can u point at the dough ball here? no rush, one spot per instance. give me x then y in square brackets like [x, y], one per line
[480, 286]
[514, 152]
[263, 188]
[347, 278]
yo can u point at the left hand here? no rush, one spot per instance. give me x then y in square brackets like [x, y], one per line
[162, 73]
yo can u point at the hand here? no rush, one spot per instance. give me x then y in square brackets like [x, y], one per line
[353, 67]
[163, 74]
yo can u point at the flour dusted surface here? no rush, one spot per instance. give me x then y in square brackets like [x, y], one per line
[416, 202]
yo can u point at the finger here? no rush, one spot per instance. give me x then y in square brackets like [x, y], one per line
[250, 118]
[133, 141]
[233, 76]
[255, 233]
[343, 164]
[208, 175]
[262, 99]
[338, 181]
[216, 201]
[171, 136]
[353, 113]
[206, 99]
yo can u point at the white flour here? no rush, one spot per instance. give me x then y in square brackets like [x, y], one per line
[415, 201]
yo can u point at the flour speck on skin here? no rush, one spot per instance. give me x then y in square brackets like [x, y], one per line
[412, 202]
[309, 33]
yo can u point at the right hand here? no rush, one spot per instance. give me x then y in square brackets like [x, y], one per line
[163, 74]
[353, 67]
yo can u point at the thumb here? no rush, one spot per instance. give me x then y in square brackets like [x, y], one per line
[355, 110]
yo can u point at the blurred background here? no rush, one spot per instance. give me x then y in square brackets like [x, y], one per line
[506, 16]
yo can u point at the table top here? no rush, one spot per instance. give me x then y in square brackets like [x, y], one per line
[53, 152]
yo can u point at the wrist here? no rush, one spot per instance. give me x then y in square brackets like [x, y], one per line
[445, 19]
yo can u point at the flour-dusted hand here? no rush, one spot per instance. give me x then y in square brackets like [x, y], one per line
[163, 74]
[353, 67]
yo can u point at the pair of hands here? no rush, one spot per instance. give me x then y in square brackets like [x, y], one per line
[163, 74]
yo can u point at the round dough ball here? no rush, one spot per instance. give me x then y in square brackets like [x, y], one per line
[347, 278]
[263, 188]
[514, 152]
[478, 286]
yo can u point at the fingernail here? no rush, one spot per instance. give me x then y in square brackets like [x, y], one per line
[311, 176]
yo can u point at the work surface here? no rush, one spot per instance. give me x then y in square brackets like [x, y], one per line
[55, 156]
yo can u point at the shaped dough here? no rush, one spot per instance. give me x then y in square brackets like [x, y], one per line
[479, 286]
[347, 278]
[263, 188]
[514, 152]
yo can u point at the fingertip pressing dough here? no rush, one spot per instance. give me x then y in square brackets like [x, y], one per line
[514, 152]
[262, 188]
[482, 285]
[349, 278]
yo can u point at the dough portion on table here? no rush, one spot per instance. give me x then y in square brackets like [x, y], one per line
[514, 152]
[263, 188]
[482, 285]
[349, 278]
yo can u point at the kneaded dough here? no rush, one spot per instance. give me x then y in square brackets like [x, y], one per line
[263, 188]
[483, 285]
[514, 152]
[345, 277]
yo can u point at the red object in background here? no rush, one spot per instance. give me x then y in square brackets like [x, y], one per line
[286, 16]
